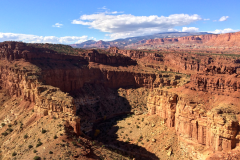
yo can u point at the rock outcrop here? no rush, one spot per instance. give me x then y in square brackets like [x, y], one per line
[115, 59]
[192, 63]
[218, 83]
[185, 62]
[136, 54]
[48, 100]
[216, 129]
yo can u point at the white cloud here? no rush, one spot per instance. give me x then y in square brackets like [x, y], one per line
[190, 29]
[127, 25]
[207, 19]
[104, 7]
[173, 30]
[42, 39]
[57, 25]
[223, 18]
[226, 30]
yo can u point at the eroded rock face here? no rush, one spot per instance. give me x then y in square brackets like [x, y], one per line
[73, 79]
[196, 42]
[136, 54]
[52, 101]
[18, 82]
[116, 59]
[163, 104]
[192, 63]
[223, 127]
[215, 83]
[48, 100]
[216, 129]
[185, 62]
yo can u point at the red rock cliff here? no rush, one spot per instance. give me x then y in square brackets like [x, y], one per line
[216, 129]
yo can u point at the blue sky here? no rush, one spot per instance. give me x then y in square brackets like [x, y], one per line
[75, 21]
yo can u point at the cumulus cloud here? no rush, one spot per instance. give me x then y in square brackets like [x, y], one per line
[226, 30]
[190, 29]
[42, 39]
[127, 25]
[207, 19]
[57, 25]
[223, 18]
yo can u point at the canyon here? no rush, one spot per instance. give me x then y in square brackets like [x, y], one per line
[186, 103]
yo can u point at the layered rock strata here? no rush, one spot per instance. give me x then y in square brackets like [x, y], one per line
[207, 42]
[73, 79]
[48, 100]
[217, 83]
[136, 54]
[185, 62]
[216, 129]
[190, 63]
[116, 59]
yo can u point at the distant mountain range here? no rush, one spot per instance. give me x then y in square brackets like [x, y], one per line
[124, 43]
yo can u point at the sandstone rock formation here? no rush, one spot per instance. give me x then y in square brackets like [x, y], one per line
[216, 129]
[215, 83]
[208, 42]
[42, 77]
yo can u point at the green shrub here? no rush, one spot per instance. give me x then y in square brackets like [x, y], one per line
[4, 133]
[10, 129]
[25, 136]
[39, 144]
[44, 131]
[55, 137]
[14, 153]
[30, 146]
[50, 152]
[9, 125]
[34, 151]
[36, 158]
[3, 124]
